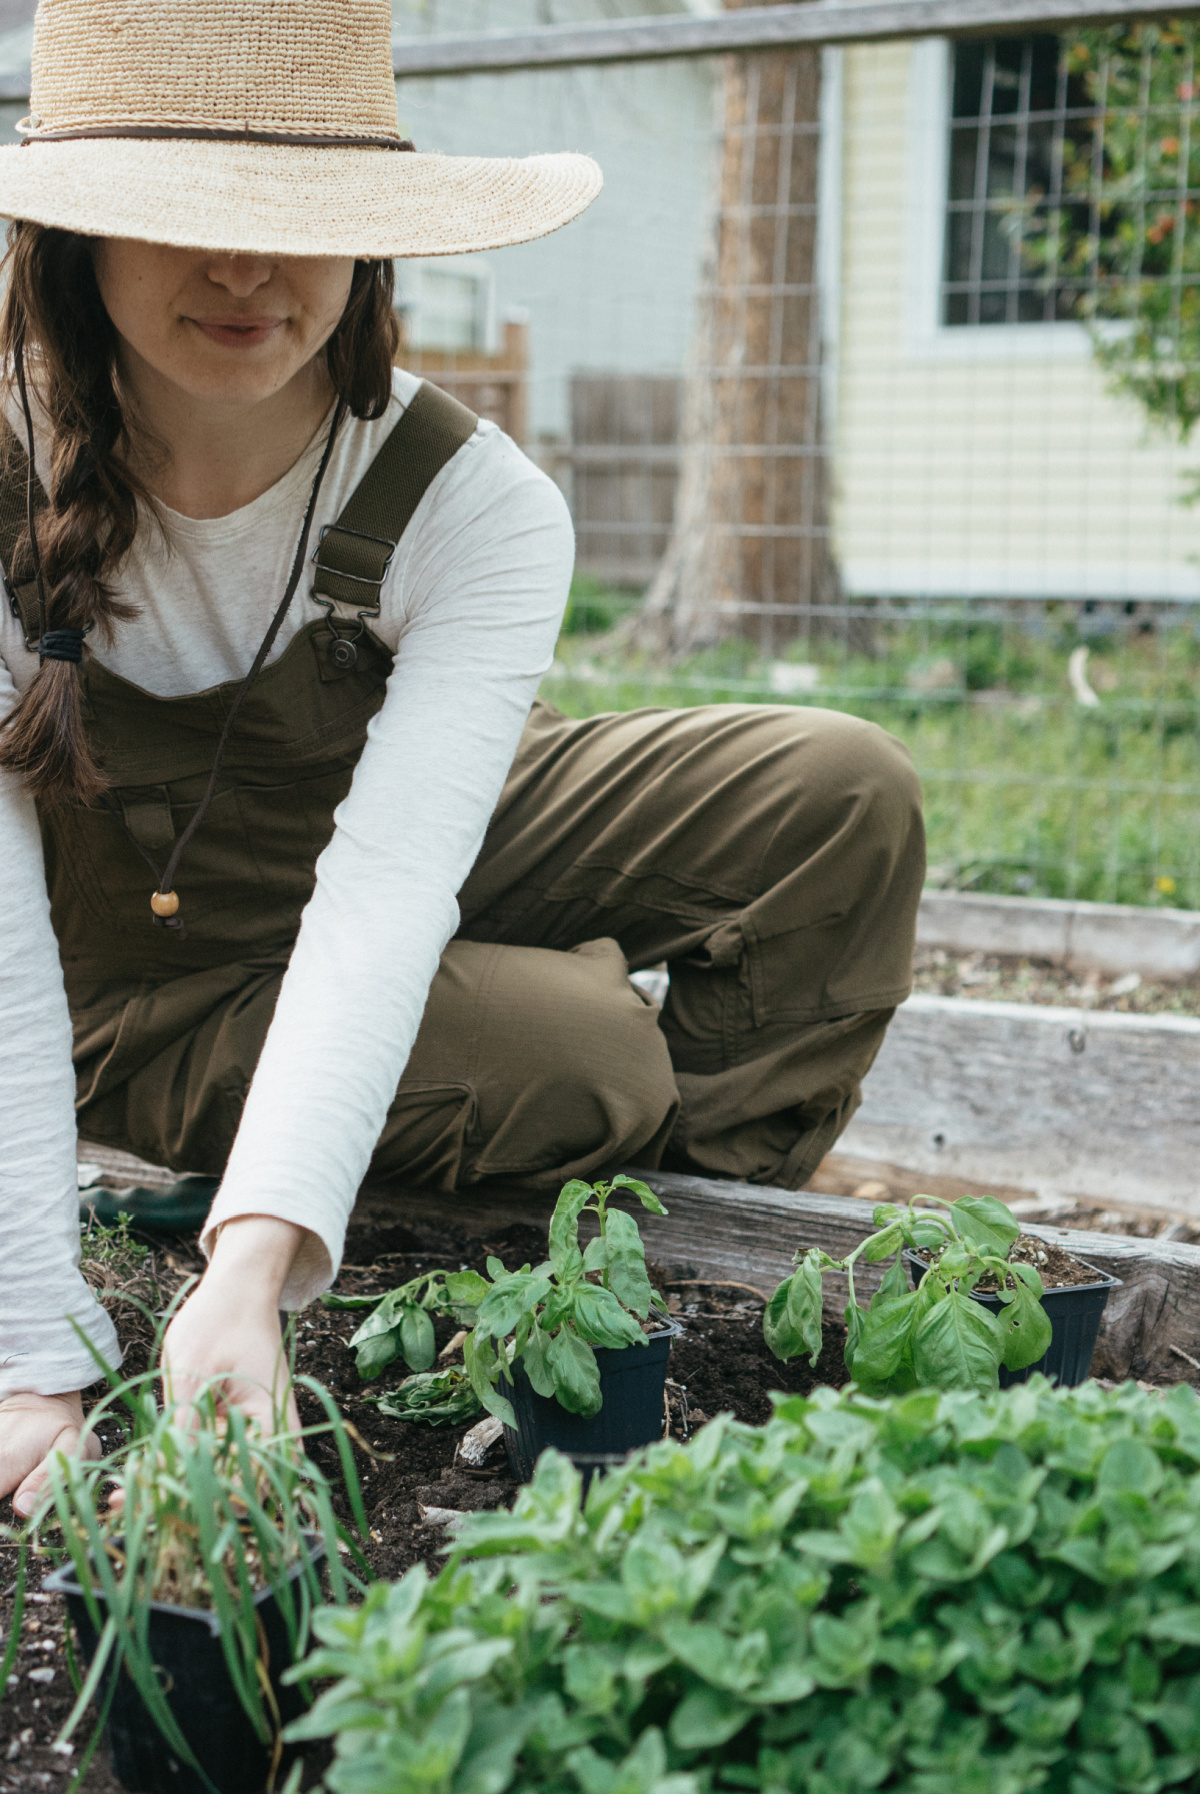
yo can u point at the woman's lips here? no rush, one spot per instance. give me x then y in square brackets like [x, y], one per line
[237, 333]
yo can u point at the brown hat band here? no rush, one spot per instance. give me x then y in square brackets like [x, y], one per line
[221, 134]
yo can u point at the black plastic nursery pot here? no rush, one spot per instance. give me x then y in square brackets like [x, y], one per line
[1074, 1317]
[632, 1380]
[185, 1644]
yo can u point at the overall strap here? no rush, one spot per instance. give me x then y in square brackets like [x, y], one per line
[354, 554]
[19, 581]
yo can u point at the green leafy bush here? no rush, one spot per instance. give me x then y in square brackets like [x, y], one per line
[936, 1336]
[400, 1323]
[551, 1316]
[945, 1593]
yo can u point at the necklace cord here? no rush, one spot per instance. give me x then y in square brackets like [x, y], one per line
[259, 660]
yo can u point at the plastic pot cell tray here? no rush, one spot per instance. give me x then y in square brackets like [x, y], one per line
[185, 1644]
[632, 1381]
[1075, 1315]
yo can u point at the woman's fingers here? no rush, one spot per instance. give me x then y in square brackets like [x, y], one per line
[33, 1430]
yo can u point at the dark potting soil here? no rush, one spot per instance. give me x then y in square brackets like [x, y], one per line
[1056, 1268]
[720, 1363]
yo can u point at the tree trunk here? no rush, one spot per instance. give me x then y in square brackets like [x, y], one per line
[750, 552]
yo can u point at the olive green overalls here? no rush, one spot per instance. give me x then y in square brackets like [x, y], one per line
[772, 855]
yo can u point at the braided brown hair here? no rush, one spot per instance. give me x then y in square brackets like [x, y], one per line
[54, 320]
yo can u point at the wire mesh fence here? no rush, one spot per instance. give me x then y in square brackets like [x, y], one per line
[870, 379]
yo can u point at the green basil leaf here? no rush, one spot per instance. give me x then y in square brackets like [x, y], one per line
[507, 1301]
[985, 1222]
[466, 1290]
[534, 1360]
[572, 1365]
[595, 1254]
[626, 1263]
[1027, 1329]
[926, 1236]
[882, 1245]
[957, 1344]
[416, 1339]
[855, 1318]
[482, 1365]
[896, 1282]
[777, 1329]
[804, 1303]
[601, 1320]
[884, 1338]
[437, 1398]
[885, 1213]
[330, 1300]
[643, 1192]
[376, 1353]
[565, 1255]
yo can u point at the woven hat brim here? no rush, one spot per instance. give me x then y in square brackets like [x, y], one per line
[272, 199]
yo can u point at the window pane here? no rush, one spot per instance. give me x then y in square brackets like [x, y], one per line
[1002, 162]
[1006, 92]
[996, 247]
[1038, 251]
[958, 245]
[1043, 81]
[969, 62]
[964, 148]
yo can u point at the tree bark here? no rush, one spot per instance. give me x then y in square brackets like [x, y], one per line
[749, 553]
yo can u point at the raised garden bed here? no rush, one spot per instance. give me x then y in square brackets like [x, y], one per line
[721, 1248]
[718, 1363]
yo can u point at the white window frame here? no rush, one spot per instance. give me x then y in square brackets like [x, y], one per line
[410, 275]
[929, 99]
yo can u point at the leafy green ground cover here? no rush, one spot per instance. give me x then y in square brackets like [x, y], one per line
[935, 1594]
[1026, 789]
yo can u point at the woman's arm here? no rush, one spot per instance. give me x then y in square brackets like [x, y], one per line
[485, 568]
[41, 1289]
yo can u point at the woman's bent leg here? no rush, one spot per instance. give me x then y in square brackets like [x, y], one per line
[528, 1064]
[772, 855]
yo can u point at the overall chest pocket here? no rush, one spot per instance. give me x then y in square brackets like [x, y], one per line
[245, 876]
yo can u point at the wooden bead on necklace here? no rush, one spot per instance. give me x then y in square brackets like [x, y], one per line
[165, 903]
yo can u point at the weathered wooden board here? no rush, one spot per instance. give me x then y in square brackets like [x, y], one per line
[1084, 937]
[748, 1233]
[749, 28]
[1060, 1102]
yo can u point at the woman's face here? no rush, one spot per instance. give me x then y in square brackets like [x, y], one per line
[234, 329]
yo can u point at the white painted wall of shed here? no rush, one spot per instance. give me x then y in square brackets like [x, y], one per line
[975, 461]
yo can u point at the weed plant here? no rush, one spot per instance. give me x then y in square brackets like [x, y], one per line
[942, 1593]
[1026, 790]
[198, 1509]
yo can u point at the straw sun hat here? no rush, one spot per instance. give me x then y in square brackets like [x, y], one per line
[261, 126]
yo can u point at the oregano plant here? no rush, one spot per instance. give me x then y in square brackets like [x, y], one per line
[551, 1316]
[936, 1336]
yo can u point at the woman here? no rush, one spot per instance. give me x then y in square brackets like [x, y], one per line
[285, 850]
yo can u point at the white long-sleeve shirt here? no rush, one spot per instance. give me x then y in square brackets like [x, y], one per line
[471, 608]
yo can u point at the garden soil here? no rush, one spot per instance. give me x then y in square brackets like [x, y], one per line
[720, 1363]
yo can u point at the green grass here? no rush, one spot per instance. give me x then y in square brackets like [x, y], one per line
[1026, 790]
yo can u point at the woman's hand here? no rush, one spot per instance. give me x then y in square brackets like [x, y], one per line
[32, 1429]
[228, 1329]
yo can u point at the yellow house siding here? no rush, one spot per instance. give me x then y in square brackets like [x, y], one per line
[975, 460]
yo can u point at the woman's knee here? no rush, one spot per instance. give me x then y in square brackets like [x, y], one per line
[845, 783]
[588, 1079]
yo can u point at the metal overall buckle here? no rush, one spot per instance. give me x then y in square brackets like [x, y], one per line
[343, 653]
